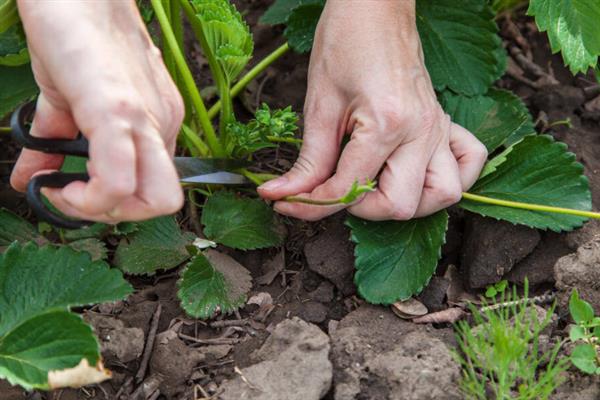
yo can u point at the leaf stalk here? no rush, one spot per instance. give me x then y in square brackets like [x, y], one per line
[188, 79]
[253, 73]
[529, 206]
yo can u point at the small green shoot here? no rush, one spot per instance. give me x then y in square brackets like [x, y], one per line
[493, 290]
[267, 127]
[585, 332]
[501, 356]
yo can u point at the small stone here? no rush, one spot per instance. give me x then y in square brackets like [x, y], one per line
[117, 342]
[323, 293]
[579, 270]
[294, 366]
[434, 294]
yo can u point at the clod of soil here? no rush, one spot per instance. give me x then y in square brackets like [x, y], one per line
[116, 340]
[377, 356]
[330, 255]
[538, 266]
[173, 362]
[491, 248]
[579, 270]
[294, 365]
[579, 387]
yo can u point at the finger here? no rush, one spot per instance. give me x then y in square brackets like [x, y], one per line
[49, 122]
[318, 155]
[55, 197]
[470, 154]
[360, 160]
[442, 186]
[112, 169]
[400, 185]
[158, 189]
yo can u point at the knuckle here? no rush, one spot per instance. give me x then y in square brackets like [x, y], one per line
[173, 203]
[126, 107]
[120, 187]
[305, 166]
[392, 116]
[480, 152]
[177, 107]
[448, 195]
[403, 212]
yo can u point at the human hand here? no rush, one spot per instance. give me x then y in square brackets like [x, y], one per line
[100, 73]
[367, 78]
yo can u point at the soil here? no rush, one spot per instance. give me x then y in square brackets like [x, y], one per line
[307, 335]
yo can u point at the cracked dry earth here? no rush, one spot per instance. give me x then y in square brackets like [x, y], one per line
[304, 333]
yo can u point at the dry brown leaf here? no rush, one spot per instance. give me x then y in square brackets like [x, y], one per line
[449, 315]
[409, 309]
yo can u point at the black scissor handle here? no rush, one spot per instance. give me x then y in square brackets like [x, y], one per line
[20, 133]
[53, 180]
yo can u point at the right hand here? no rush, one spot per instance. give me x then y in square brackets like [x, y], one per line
[367, 79]
[100, 73]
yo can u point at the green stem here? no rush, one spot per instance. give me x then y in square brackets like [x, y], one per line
[198, 143]
[528, 206]
[255, 178]
[304, 200]
[253, 73]
[215, 68]
[188, 79]
[276, 139]
[5, 129]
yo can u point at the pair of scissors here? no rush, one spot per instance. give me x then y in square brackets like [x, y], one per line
[191, 170]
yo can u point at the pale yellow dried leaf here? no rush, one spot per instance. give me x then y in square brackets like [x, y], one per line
[81, 375]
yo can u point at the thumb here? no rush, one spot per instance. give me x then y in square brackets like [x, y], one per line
[316, 161]
[49, 122]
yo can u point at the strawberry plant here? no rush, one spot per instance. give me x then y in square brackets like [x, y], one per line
[530, 179]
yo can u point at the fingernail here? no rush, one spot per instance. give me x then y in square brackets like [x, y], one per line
[274, 184]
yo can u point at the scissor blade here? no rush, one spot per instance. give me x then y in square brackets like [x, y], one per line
[188, 167]
[217, 178]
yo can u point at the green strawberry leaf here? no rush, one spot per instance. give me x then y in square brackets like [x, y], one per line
[493, 117]
[301, 26]
[572, 27]
[536, 170]
[396, 259]
[462, 50]
[240, 223]
[581, 311]
[13, 47]
[227, 35]
[281, 10]
[13, 227]
[52, 341]
[94, 247]
[213, 282]
[584, 358]
[34, 280]
[18, 86]
[38, 335]
[157, 244]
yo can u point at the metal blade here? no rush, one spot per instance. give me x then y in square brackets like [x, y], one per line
[217, 178]
[191, 166]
